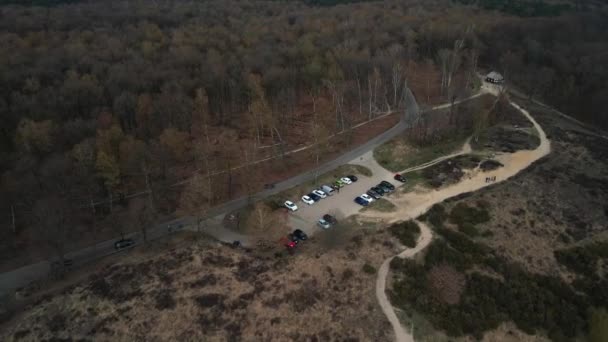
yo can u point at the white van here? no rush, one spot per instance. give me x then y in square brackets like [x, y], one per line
[328, 190]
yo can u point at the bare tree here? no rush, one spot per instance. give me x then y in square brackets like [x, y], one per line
[50, 219]
[141, 215]
[320, 136]
[194, 199]
[266, 226]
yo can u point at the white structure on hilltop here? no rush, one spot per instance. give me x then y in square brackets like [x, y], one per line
[494, 77]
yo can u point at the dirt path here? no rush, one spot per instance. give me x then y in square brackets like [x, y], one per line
[414, 204]
[466, 149]
[401, 334]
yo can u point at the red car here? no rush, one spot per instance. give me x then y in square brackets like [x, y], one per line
[400, 178]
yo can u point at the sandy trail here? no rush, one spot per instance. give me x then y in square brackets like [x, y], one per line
[400, 334]
[414, 204]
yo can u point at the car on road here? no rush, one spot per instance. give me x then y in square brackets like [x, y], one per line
[388, 185]
[123, 243]
[290, 205]
[323, 224]
[306, 199]
[367, 197]
[300, 235]
[373, 194]
[378, 190]
[346, 180]
[361, 201]
[319, 193]
[314, 197]
[399, 177]
[339, 184]
[331, 219]
[353, 178]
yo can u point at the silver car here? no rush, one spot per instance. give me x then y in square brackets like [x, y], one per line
[323, 224]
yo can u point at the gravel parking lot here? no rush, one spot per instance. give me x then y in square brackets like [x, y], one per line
[341, 204]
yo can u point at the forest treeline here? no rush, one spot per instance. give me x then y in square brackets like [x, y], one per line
[104, 98]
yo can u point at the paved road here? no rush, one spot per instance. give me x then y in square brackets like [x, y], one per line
[20, 277]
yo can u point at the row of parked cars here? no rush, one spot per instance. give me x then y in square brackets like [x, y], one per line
[325, 190]
[378, 191]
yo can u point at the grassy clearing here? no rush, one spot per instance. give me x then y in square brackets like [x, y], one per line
[327, 178]
[382, 205]
[399, 154]
[414, 178]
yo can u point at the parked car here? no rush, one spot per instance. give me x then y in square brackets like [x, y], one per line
[319, 193]
[290, 205]
[124, 243]
[331, 219]
[306, 199]
[328, 190]
[346, 180]
[314, 197]
[293, 238]
[352, 178]
[373, 194]
[323, 224]
[367, 197]
[379, 190]
[361, 201]
[339, 184]
[388, 185]
[400, 178]
[300, 235]
[385, 189]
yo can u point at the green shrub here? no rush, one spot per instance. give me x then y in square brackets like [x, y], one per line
[487, 234]
[369, 269]
[583, 259]
[533, 302]
[469, 230]
[463, 215]
[407, 232]
[435, 216]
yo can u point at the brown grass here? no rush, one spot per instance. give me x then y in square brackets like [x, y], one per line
[216, 293]
[446, 283]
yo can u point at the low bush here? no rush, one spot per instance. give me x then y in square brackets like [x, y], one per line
[435, 216]
[369, 269]
[407, 232]
[533, 302]
[469, 230]
[583, 259]
[463, 215]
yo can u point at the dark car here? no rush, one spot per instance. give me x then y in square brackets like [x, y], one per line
[300, 235]
[385, 188]
[361, 201]
[400, 178]
[352, 178]
[293, 238]
[378, 190]
[373, 194]
[388, 185]
[314, 197]
[124, 243]
[331, 219]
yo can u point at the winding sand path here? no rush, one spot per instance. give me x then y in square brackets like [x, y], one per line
[414, 204]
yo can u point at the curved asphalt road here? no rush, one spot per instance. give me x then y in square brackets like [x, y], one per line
[25, 275]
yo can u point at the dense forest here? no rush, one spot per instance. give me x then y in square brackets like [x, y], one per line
[100, 100]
